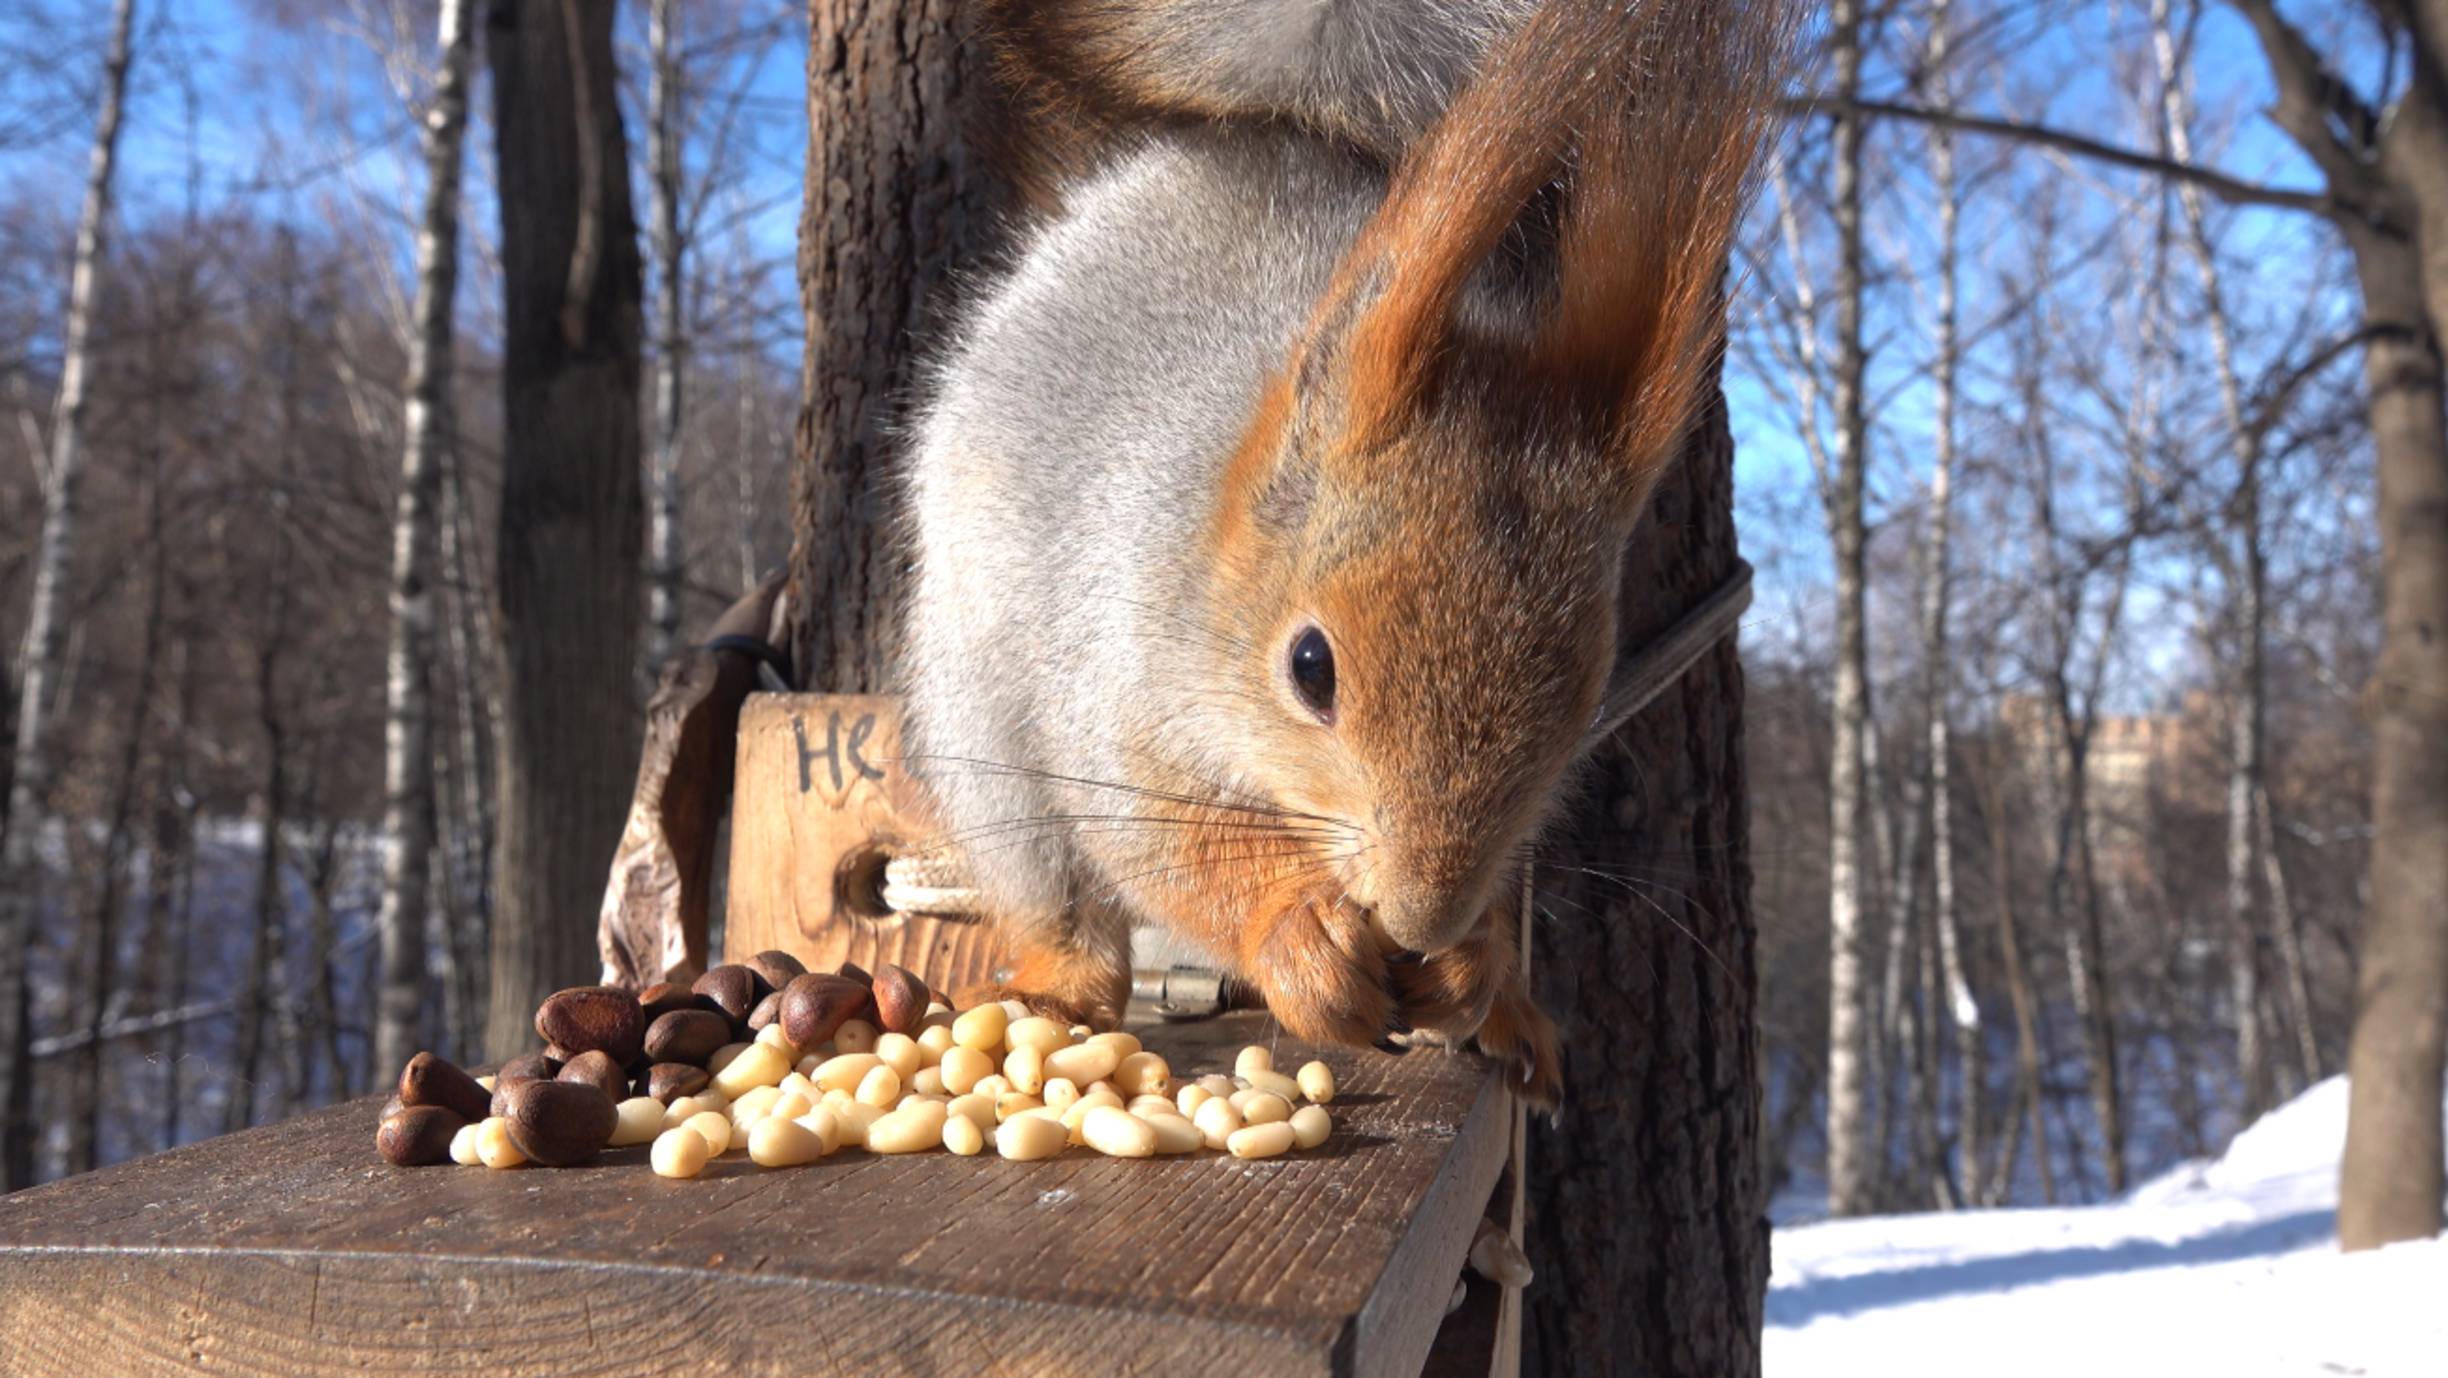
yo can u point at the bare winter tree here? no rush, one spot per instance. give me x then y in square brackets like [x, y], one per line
[408, 772]
[572, 520]
[45, 649]
[664, 559]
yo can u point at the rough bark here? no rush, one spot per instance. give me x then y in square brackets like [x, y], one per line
[663, 553]
[1851, 1173]
[897, 195]
[44, 656]
[408, 773]
[1646, 1209]
[572, 521]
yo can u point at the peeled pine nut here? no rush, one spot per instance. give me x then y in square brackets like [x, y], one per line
[1013, 1009]
[994, 1086]
[978, 1110]
[1151, 1105]
[981, 1029]
[854, 1036]
[1146, 1073]
[824, 1126]
[1011, 1103]
[463, 1143]
[1261, 1140]
[881, 1087]
[798, 1082]
[1025, 1069]
[963, 1068]
[1060, 1093]
[790, 1105]
[1036, 1032]
[755, 1105]
[1217, 1121]
[762, 1064]
[928, 1082]
[1027, 1138]
[723, 1055]
[777, 1142]
[1217, 1084]
[773, 1037]
[1123, 1044]
[1310, 1126]
[1173, 1133]
[900, 1052]
[687, 1106]
[933, 1041]
[1083, 1063]
[1274, 1084]
[1265, 1107]
[1253, 1058]
[494, 1147]
[678, 1153]
[1316, 1081]
[485, 1081]
[1188, 1099]
[1107, 1086]
[641, 1118]
[1076, 1117]
[855, 1118]
[1117, 1133]
[713, 1128]
[844, 1071]
[962, 1137]
[911, 1129]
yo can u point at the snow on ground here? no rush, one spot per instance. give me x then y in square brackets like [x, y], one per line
[2219, 1267]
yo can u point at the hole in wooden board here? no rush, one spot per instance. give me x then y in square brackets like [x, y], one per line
[858, 884]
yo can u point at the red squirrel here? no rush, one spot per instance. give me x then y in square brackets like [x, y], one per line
[1268, 504]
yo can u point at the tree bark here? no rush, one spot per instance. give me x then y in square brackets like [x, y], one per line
[897, 195]
[1646, 1209]
[572, 518]
[44, 657]
[408, 773]
[663, 552]
[1851, 1172]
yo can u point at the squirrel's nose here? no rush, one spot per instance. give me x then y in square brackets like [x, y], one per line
[1422, 920]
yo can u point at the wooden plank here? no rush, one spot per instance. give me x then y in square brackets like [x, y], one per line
[822, 794]
[293, 1249]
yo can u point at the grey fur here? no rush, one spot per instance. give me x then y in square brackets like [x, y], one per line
[1069, 454]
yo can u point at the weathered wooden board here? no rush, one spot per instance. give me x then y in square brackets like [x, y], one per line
[822, 792]
[292, 1249]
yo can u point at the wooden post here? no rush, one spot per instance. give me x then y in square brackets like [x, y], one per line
[823, 801]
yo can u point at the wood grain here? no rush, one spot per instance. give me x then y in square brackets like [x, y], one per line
[822, 786]
[292, 1249]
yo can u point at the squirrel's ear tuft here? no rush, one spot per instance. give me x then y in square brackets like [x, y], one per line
[1660, 176]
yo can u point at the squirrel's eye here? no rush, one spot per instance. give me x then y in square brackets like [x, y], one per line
[1313, 673]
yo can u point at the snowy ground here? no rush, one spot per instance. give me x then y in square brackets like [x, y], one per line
[2225, 1267]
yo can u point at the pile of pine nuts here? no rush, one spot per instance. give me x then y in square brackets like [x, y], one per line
[884, 1068]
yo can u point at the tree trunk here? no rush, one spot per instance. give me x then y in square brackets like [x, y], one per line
[408, 773]
[2287, 924]
[266, 957]
[44, 658]
[572, 517]
[1646, 1212]
[476, 712]
[1851, 1173]
[897, 195]
[663, 126]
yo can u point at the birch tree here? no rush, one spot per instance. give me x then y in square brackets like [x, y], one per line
[44, 655]
[664, 559]
[408, 775]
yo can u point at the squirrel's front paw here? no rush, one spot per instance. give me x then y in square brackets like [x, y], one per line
[1447, 995]
[1519, 1034]
[1319, 968]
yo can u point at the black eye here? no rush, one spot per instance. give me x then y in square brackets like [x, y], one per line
[1313, 675]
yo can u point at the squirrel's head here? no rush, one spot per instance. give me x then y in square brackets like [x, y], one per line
[1417, 549]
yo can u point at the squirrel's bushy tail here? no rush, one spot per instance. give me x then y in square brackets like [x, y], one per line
[1649, 116]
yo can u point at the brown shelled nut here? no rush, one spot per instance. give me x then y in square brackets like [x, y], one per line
[560, 1123]
[687, 1036]
[669, 1081]
[777, 968]
[900, 998]
[597, 1069]
[733, 989]
[663, 997]
[417, 1135]
[429, 1080]
[586, 1019]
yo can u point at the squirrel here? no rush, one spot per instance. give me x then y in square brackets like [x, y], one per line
[1267, 505]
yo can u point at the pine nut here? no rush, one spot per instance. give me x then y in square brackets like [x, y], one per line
[1217, 1084]
[678, 1153]
[1027, 1138]
[1260, 1140]
[1059, 1094]
[981, 1029]
[1081, 1032]
[1317, 1082]
[1217, 1121]
[761, 1065]
[773, 1037]
[777, 1142]
[1310, 1125]
[754, 1106]
[963, 1068]
[1025, 1069]
[789, 1105]
[854, 1036]
[641, 1118]
[881, 1086]
[1151, 1105]
[1036, 1032]
[933, 1042]
[1106, 1085]
[1124, 1044]
[713, 1128]
[911, 1129]
[822, 1123]
[1011, 1103]
[1013, 1009]
[1143, 1072]
[978, 1110]
[1117, 1133]
[1188, 1099]
[485, 1081]
[1075, 1119]
[845, 1071]
[494, 1147]
[723, 1055]
[1276, 1084]
[1254, 1057]
[928, 1082]
[463, 1143]
[900, 1052]
[682, 1109]
[855, 1119]
[1265, 1107]
[993, 1087]
[1174, 1134]
[962, 1137]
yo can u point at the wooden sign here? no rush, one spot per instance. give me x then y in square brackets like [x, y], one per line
[823, 800]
